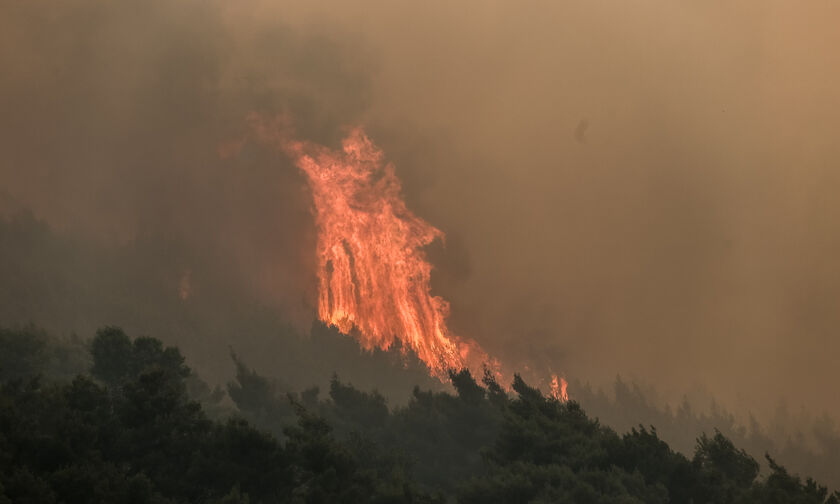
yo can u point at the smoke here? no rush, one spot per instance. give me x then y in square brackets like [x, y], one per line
[638, 188]
[114, 113]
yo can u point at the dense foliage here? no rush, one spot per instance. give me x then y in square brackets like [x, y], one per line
[131, 430]
[808, 443]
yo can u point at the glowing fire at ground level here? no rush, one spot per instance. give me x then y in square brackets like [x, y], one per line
[373, 277]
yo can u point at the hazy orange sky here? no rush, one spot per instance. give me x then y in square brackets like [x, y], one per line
[644, 188]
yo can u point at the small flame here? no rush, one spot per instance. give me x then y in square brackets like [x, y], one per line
[558, 388]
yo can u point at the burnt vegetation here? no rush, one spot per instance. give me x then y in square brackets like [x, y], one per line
[116, 419]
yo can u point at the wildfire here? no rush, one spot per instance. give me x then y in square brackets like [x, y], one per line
[373, 276]
[558, 388]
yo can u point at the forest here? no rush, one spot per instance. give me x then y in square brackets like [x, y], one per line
[121, 419]
[248, 251]
[68, 287]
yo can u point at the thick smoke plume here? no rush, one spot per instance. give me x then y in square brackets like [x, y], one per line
[644, 189]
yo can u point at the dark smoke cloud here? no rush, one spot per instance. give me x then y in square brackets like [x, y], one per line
[690, 240]
[115, 114]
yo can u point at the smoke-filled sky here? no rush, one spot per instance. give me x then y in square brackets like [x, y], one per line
[638, 188]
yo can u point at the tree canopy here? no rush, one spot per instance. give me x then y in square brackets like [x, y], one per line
[129, 430]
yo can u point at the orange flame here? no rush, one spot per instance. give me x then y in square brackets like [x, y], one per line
[373, 276]
[558, 388]
[372, 272]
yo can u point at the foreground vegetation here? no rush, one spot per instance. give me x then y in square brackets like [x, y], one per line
[139, 427]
